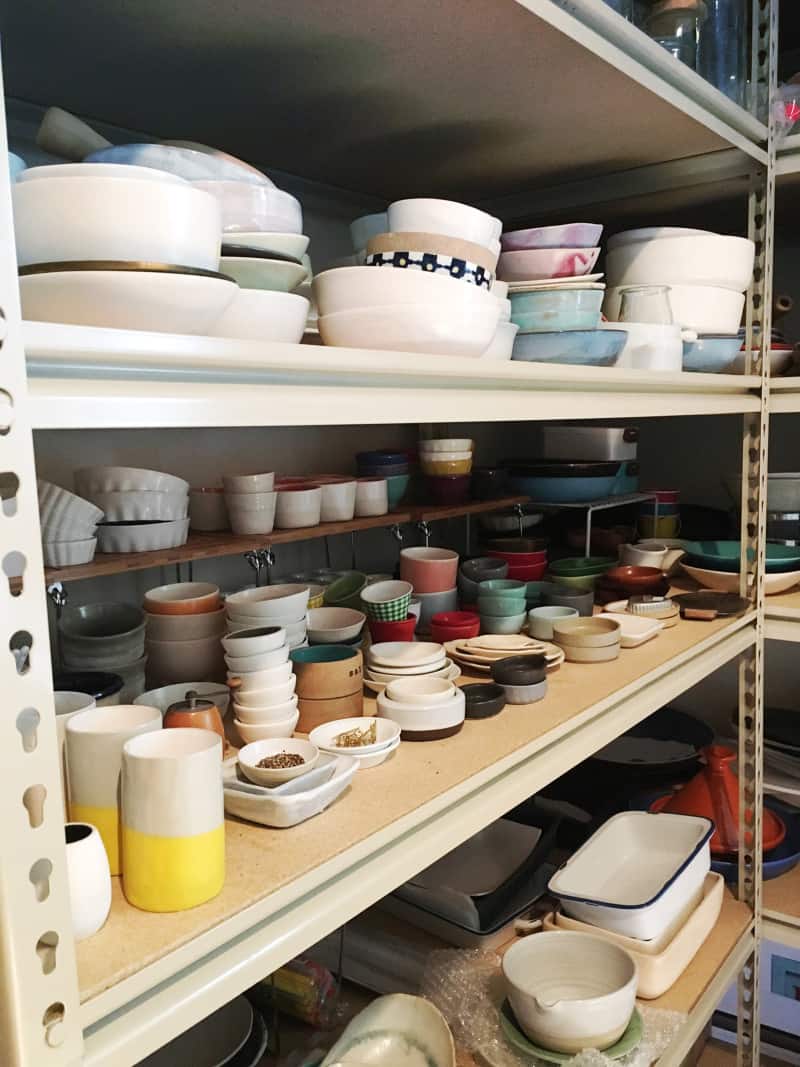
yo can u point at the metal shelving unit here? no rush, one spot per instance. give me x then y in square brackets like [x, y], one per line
[143, 979]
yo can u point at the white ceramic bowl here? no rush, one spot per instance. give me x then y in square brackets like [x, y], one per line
[251, 755]
[268, 696]
[61, 510]
[324, 736]
[125, 299]
[420, 690]
[106, 479]
[372, 497]
[330, 626]
[170, 694]
[57, 220]
[447, 444]
[570, 991]
[704, 308]
[259, 661]
[68, 553]
[337, 499]
[249, 681]
[250, 502]
[426, 215]
[250, 207]
[185, 627]
[423, 328]
[259, 715]
[298, 507]
[349, 288]
[142, 537]
[256, 641]
[250, 732]
[692, 259]
[288, 244]
[261, 315]
[247, 523]
[268, 601]
[238, 484]
[142, 506]
[68, 530]
[422, 722]
[502, 344]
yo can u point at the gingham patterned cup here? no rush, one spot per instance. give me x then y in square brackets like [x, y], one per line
[387, 601]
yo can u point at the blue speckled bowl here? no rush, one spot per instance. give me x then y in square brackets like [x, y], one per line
[556, 309]
[713, 355]
[599, 348]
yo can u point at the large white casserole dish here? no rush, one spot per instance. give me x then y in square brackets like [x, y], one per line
[692, 259]
[58, 220]
[639, 875]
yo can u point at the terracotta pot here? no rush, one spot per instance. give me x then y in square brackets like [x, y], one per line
[197, 712]
[315, 712]
[635, 579]
[327, 672]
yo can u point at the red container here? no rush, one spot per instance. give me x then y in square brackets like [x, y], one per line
[664, 496]
[531, 573]
[392, 631]
[520, 559]
[454, 626]
[449, 488]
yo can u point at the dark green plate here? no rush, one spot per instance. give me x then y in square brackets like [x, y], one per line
[514, 1035]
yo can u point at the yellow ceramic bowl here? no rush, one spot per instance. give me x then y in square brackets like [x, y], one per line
[439, 467]
[665, 526]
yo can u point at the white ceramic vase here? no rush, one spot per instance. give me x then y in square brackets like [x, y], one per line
[67, 704]
[88, 877]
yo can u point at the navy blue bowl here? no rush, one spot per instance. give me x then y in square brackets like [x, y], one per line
[381, 459]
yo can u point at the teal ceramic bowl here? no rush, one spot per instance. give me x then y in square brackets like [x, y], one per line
[396, 489]
[581, 566]
[557, 309]
[322, 654]
[534, 593]
[507, 588]
[501, 606]
[725, 556]
[345, 592]
[502, 624]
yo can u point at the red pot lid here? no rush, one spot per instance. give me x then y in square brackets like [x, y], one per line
[714, 793]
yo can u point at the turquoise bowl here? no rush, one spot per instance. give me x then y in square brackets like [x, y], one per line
[502, 624]
[711, 355]
[396, 489]
[599, 348]
[507, 588]
[556, 309]
[501, 606]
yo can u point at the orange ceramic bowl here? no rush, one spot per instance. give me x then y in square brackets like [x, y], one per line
[183, 598]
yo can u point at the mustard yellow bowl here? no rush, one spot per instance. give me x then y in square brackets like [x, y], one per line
[439, 467]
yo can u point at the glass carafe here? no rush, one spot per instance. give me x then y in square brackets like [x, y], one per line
[645, 303]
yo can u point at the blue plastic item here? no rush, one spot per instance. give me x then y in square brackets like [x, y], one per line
[599, 348]
[711, 354]
[547, 310]
[564, 490]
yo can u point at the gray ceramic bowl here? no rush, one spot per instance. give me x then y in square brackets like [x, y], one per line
[101, 636]
[482, 568]
[566, 597]
[525, 694]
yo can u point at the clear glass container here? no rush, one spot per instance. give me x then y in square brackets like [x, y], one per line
[622, 7]
[675, 25]
[724, 47]
[646, 303]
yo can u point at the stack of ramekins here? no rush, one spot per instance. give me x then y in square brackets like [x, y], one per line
[660, 517]
[432, 574]
[143, 510]
[502, 605]
[250, 502]
[447, 464]
[273, 605]
[184, 623]
[260, 675]
[69, 526]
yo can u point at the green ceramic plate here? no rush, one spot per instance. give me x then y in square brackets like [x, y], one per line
[514, 1035]
[581, 566]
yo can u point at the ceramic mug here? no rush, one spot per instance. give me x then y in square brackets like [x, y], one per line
[88, 878]
[298, 506]
[668, 526]
[372, 497]
[95, 740]
[173, 833]
[67, 704]
[639, 556]
[338, 502]
[430, 570]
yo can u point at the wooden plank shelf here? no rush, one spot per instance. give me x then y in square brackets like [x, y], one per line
[215, 545]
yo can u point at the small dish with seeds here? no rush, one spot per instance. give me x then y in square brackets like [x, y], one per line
[276, 760]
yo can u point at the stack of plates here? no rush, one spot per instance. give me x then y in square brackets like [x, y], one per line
[401, 659]
[479, 653]
[387, 734]
[144, 511]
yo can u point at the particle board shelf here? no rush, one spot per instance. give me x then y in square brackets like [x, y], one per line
[784, 394]
[145, 977]
[82, 377]
[213, 546]
[781, 900]
[782, 616]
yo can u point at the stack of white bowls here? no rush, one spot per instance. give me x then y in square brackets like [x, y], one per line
[707, 274]
[271, 605]
[388, 661]
[250, 501]
[426, 708]
[431, 291]
[104, 244]
[106, 637]
[184, 624]
[143, 510]
[261, 678]
[69, 526]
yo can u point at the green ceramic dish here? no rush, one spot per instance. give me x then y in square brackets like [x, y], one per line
[345, 592]
[396, 488]
[507, 588]
[501, 605]
[581, 566]
[583, 582]
[725, 556]
[515, 1037]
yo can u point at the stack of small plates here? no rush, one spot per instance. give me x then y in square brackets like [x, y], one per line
[479, 653]
[387, 739]
[390, 660]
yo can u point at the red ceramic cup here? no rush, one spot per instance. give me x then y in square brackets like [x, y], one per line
[430, 570]
[520, 559]
[392, 631]
[454, 626]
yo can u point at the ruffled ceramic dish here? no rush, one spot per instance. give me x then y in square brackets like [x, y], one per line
[294, 801]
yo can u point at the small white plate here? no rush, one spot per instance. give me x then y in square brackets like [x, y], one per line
[323, 736]
[376, 758]
[287, 244]
[404, 654]
[634, 629]
[452, 672]
[576, 281]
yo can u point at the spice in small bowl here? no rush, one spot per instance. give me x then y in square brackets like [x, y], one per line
[281, 761]
[276, 760]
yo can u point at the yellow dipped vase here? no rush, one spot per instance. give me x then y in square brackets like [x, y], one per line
[173, 833]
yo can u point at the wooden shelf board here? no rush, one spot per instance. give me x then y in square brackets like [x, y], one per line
[215, 545]
[781, 897]
[262, 862]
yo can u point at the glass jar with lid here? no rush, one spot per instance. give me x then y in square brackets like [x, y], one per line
[675, 25]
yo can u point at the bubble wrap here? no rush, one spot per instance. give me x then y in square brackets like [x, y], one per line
[467, 987]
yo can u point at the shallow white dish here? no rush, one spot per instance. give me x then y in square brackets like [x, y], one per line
[251, 755]
[61, 219]
[635, 875]
[295, 803]
[265, 275]
[420, 690]
[728, 582]
[103, 479]
[323, 736]
[270, 601]
[390, 673]
[261, 315]
[68, 553]
[634, 629]
[142, 506]
[127, 299]
[404, 654]
[377, 682]
[261, 731]
[142, 537]
[288, 244]
[426, 328]
[395, 1031]
[329, 626]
